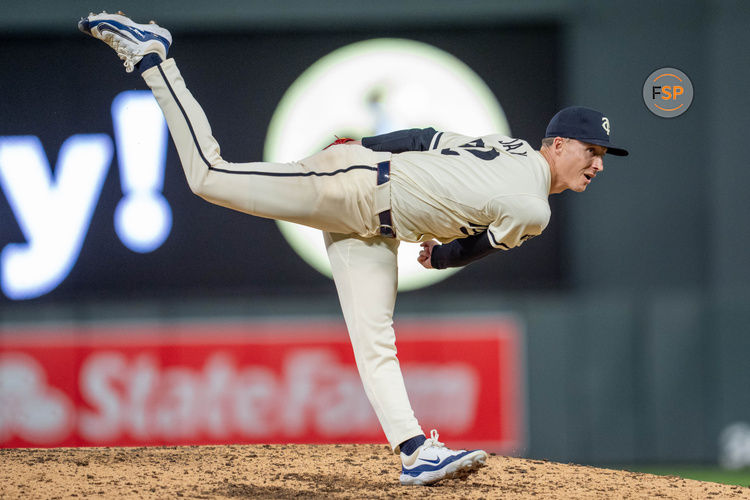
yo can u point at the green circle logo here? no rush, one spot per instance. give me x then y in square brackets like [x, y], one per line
[370, 88]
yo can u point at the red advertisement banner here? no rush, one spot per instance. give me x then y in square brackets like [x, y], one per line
[252, 382]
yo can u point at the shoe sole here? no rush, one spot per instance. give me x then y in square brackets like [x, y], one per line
[457, 470]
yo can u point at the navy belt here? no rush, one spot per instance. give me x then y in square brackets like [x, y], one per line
[386, 223]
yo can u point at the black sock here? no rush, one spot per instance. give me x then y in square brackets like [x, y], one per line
[149, 61]
[408, 446]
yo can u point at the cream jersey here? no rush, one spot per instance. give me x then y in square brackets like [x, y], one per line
[463, 186]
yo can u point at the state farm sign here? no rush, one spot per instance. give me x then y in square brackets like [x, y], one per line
[252, 382]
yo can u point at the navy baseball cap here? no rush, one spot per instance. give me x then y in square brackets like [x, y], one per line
[585, 125]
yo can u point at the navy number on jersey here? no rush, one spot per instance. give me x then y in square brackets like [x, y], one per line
[476, 148]
[473, 229]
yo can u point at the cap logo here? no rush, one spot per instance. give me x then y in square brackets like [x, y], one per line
[578, 122]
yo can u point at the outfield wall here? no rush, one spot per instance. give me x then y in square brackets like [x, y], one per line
[605, 378]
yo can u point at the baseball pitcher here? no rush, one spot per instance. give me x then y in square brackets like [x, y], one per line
[462, 197]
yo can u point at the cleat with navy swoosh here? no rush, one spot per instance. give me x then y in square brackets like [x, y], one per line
[130, 40]
[432, 462]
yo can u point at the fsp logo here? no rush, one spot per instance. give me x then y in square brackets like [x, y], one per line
[668, 92]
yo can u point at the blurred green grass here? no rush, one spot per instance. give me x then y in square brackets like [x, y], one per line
[714, 474]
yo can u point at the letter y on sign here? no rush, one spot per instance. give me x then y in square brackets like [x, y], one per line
[53, 214]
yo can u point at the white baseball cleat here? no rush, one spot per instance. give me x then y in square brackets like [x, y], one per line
[432, 462]
[131, 41]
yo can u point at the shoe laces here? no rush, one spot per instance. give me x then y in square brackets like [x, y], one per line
[432, 441]
[123, 52]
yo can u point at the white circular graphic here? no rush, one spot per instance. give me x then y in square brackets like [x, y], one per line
[370, 88]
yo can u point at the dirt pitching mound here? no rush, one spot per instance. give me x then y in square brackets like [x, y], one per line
[310, 471]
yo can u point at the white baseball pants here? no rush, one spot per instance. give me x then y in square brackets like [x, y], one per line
[335, 191]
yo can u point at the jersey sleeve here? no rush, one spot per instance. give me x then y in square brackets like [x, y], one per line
[516, 219]
[415, 139]
[462, 251]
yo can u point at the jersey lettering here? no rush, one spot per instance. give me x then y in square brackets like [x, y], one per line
[511, 145]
